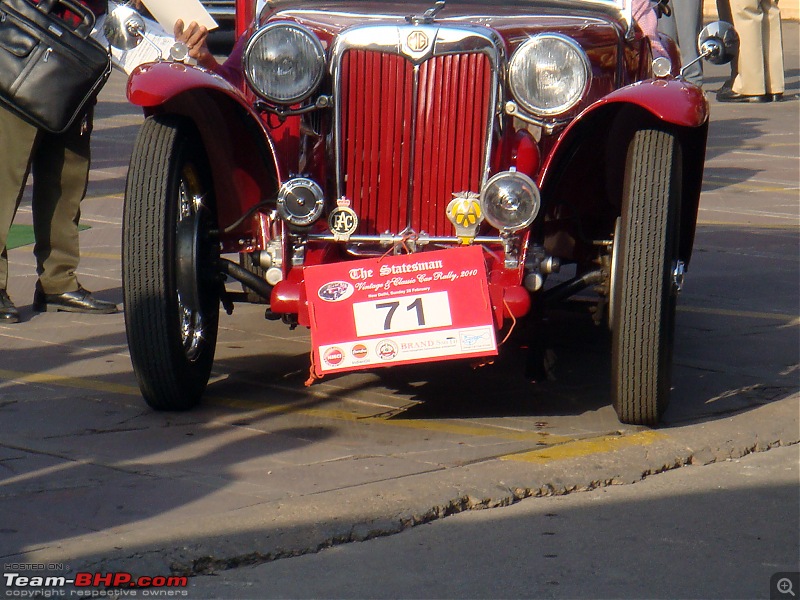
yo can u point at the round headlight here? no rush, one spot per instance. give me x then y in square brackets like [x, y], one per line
[549, 74]
[510, 201]
[284, 62]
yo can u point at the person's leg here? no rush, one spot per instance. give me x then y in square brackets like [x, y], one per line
[684, 26]
[724, 14]
[60, 176]
[773, 49]
[747, 19]
[14, 167]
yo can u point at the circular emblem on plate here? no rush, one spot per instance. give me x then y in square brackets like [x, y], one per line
[335, 291]
[359, 351]
[333, 356]
[343, 222]
[387, 350]
[417, 41]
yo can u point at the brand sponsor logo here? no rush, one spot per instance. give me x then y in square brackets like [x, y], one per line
[333, 356]
[359, 351]
[335, 291]
[387, 350]
[432, 344]
[474, 340]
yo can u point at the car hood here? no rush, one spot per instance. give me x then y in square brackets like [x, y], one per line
[595, 23]
[333, 16]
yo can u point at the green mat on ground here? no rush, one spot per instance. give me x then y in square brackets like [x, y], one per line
[22, 235]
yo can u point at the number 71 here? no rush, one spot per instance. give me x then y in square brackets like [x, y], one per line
[393, 306]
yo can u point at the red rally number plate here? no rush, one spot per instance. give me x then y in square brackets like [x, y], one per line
[398, 310]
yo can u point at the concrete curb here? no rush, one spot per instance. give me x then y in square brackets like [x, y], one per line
[307, 524]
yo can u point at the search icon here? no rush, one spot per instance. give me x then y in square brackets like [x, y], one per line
[784, 586]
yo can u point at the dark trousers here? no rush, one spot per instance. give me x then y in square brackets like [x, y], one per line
[60, 168]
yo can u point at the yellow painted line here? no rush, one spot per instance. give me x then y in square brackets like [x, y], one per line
[102, 255]
[761, 187]
[748, 226]
[754, 147]
[419, 424]
[744, 314]
[105, 197]
[71, 382]
[580, 448]
[481, 431]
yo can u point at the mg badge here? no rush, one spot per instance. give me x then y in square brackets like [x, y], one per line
[343, 221]
[417, 41]
[464, 212]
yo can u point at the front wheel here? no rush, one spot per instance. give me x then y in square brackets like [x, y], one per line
[170, 284]
[645, 279]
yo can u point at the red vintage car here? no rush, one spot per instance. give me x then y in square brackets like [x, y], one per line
[403, 178]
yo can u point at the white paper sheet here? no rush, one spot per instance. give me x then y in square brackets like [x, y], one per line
[128, 60]
[167, 12]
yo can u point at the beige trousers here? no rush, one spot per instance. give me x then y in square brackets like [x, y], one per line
[60, 168]
[758, 23]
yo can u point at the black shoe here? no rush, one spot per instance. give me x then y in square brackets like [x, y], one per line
[79, 301]
[728, 95]
[726, 86]
[775, 97]
[8, 312]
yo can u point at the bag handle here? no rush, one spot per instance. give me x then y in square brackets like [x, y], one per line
[84, 14]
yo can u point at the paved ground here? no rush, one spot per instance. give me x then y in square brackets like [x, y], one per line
[266, 468]
[697, 532]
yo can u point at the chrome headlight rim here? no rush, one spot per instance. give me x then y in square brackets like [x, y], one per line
[316, 45]
[514, 79]
[487, 208]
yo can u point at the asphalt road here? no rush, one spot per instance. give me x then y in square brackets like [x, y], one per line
[92, 480]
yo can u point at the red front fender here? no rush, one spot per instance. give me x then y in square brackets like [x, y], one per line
[153, 84]
[594, 146]
[668, 100]
[240, 150]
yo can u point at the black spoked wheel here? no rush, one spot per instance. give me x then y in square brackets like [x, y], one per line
[169, 260]
[646, 278]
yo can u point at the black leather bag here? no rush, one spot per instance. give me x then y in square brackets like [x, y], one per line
[49, 69]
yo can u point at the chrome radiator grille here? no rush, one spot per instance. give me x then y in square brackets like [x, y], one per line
[410, 133]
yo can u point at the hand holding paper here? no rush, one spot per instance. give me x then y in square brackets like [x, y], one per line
[195, 37]
[167, 12]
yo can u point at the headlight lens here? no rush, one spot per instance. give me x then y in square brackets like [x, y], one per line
[510, 201]
[549, 74]
[284, 63]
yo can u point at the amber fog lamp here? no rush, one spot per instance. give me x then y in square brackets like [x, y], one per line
[284, 63]
[510, 201]
[549, 74]
[300, 202]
